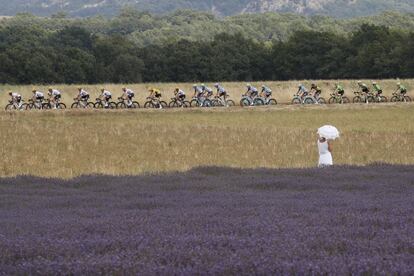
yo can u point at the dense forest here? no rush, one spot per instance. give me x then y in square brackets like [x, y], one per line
[78, 53]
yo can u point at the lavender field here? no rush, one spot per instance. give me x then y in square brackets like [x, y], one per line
[345, 220]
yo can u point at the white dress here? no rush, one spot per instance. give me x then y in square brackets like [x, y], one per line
[325, 157]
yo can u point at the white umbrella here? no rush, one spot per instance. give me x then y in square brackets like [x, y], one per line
[328, 132]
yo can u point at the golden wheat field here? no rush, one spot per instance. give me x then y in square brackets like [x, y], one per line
[76, 142]
[282, 91]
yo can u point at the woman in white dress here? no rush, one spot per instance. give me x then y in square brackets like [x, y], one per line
[325, 152]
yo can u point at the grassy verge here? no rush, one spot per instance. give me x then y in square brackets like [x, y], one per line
[71, 143]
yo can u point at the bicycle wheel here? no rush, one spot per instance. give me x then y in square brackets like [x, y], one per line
[207, 103]
[296, 100]
[407, 99]
[61, 106]
[258, 102]
[272, 102]
[23, 107]
[357, 99]
[46, 106]
[135, 105]
[121, 105]
[383, 99]
[163, 104]
[394, 99]
[309, 100]
[10, 107]
[75, 105]
[230, 103]
[111, 105]
[216, 103]
[345, 100]
[332, 100]
[194, 103]
[98, 105]
[173, 104]
[370, 99]
[149, 104]
[245, 102]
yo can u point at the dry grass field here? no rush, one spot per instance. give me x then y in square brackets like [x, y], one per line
[72, 143]
[283, 91]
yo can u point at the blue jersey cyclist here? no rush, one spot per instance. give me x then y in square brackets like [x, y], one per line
[266, 91]
[302, 91]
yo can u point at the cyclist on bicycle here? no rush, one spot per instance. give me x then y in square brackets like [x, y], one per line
[364, 88]
[339, 89]
[302, 91]
[83, 95]
[221, 92]
[16, 98]
[266, 92]
[54, 95]
[38, 96]
[316, 90]
[252, 91]
[208, 92]
[401, 88]
[128, 94]
[198, 91]
[155, 95]
[377, 88]
[179, 94]
[105, 96]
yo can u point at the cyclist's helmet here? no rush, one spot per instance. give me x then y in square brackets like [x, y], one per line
[313, 85]
[102, 89]
[249, 85]
[124, 89]
[263, 86]
[10, 93]
[300, 85]
[203, 85]
[50, 89]
[34, 90]
[398, 84]
[374, 82]
[216, 85]
[359, 82]
[79, 88]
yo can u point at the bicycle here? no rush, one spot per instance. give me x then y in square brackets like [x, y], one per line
[101, 104]
[82, 104]
[126, 103]
[362, 97]
[247, 100]
[338, 99]
[178, 103]
[200, 102]
[155, 103]
[398, 97]
[308, 99]
[219, 102]
[35, 104]
[57, 105]
[378, 98]
[12, 105]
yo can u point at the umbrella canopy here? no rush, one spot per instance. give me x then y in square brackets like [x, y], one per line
[328, 132]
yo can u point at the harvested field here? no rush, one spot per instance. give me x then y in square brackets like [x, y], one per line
[343, 220]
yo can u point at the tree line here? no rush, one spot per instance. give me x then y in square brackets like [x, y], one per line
[30, 55]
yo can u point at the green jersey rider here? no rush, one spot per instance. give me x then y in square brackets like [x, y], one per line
[339, 89]
[377, 88]
[401, 88]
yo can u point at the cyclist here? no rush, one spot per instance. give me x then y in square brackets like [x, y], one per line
[252, 91]
[128, 94]
[16, 98]
[208, 92]
[364, 88]
[266, 92]
[155, 95]
[179, 95]
[401, 88]
[316, 90]
[38, 96]
[377, 88]
[221, 92]
[339, 89]
[82, 97]
[106, 96]
[54, 95]
[198, 91]
[302, 91]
